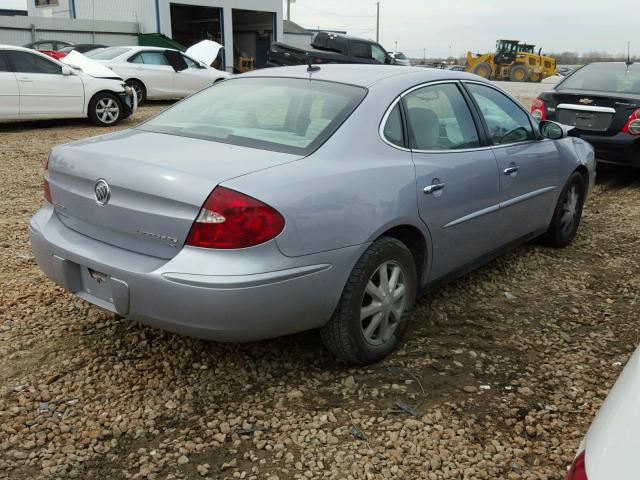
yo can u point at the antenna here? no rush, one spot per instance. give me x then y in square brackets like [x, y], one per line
[311, 68]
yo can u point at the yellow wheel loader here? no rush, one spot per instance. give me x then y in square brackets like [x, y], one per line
[513, 61]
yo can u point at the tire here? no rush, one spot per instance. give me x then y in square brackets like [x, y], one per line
[567, 214]
[519, 73]
[483, 69]
[535, 77]
[105, 109]
[139, 88]
[358, 340]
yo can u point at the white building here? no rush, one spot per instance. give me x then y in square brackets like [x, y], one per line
[245, 27]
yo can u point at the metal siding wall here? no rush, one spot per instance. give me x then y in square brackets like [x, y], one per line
[139, 11]
[17, 30]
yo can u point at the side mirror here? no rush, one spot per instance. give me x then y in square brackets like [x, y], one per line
[553, 130]
[66, 71]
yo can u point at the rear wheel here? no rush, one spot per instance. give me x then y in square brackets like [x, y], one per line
[141, 91]
[566, 217]
[376, 304]
[519, 73]
[105, 109]
[535, 77]
[483, 69]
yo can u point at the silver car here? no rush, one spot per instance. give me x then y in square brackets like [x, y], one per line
[306, 197]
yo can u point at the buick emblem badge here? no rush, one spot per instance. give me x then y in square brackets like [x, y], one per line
[102, 192]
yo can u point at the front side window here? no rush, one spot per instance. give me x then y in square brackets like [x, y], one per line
[361, 50]
[280, 114]
[190, 63]
[25, 62]
[378, 54]
[506, 121]
[440, 119]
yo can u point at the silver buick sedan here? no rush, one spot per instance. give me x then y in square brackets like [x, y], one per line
[298, 198]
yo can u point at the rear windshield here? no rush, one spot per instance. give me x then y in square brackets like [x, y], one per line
[605, 77]
[282, 114]
[107, 53]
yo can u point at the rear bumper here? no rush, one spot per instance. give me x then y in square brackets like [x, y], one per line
[190, 294]
[621, 148]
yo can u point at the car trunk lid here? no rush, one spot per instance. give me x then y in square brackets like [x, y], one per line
[593, 111]
[157, 184]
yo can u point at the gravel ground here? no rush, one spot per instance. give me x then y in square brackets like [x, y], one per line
[499, 378]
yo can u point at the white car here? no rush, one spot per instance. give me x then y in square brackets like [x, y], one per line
[400, 59]
[34, 86]
[610, 449]
[158, 73]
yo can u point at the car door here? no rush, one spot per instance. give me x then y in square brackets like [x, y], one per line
[9, 93]
[43, 88]
[529, 166]
[361, 52]
[457, 179]
[153, 69]
[192, 79]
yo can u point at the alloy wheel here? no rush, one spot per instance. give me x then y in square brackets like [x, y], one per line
[383, 303]
[569, 209]
[107, 110]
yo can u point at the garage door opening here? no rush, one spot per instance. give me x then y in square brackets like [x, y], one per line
[191, 24]
[253, 33]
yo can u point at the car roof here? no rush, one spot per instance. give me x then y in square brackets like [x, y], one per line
[15, 47]
[364, 75]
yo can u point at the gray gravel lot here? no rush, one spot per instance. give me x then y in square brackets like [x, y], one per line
[505, 368]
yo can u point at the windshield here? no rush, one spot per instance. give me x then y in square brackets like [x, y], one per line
[605, 77]
[281, 114]
[107, 53]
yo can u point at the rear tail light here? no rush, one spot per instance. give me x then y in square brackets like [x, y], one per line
[538, 110]
[633, 123]
[578, 470]
[45, 182]
[229, 219]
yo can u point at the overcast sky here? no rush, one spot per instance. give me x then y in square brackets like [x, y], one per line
[554, 25]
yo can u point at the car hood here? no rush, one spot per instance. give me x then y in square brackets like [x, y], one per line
[612, 443]
[205, 51]
[88, 66]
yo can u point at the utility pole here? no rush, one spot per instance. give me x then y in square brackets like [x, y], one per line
[378, 22]
[396, 42]
[289, 10]
[424, 56]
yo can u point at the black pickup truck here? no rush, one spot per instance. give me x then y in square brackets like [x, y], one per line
[329, 48]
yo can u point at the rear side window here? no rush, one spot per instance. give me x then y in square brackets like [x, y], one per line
[507, 122]
[25, 62]
[281, 114]
[152, 58]
[393, 130]
[440, 119]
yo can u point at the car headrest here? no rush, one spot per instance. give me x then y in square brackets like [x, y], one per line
[426, 128]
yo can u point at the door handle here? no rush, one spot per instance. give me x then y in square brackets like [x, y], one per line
[434, 187]
[511, 169]
[25, 80]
